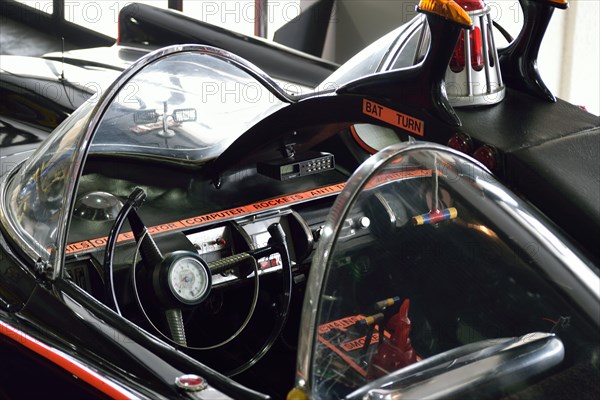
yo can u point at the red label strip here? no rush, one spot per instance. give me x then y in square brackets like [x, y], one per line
[393, 117]
[199, 220]
[67, 363]
[260, 206]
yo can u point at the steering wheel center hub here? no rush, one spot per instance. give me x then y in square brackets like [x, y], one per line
[181, 279]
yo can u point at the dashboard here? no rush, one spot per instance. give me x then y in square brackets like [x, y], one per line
[221, 234]
[185, 210]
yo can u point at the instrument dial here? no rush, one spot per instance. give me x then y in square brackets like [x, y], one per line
[188, 280]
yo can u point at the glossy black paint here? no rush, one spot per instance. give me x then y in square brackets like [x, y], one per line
[19, 137]
[546, 152]
[44, 92]
[531, 147]
[17, 281]
[421, 86]
[26, 99]
[95, 337]
[143, 24]
[417, 91]
[38, 376]
[519, 59]
[45, 100]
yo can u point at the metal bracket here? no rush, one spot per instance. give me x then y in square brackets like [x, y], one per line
[43, 268]
[288, 150]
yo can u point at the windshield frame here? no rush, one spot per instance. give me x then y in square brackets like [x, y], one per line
[53, 258]
[565, 257]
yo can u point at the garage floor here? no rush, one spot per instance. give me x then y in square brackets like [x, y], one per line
[19, 39]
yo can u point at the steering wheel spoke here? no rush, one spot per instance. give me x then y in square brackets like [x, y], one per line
[227, 263]
[176, 328]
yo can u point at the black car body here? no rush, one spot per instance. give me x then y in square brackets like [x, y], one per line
[44, 91]
[276, 256]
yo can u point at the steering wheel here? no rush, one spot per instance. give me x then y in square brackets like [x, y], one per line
[182, 279]
[476, 369]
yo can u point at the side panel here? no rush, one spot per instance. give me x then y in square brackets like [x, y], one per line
[27, 375]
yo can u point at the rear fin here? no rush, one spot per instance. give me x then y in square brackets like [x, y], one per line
[422, 85]
[519, 59]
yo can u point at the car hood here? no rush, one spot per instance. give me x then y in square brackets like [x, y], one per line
[114, 57]
[54, 69]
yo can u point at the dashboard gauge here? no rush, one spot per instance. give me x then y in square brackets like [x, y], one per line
[189, 280]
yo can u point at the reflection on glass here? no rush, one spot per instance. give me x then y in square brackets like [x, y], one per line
[186, 107]
[442, 263]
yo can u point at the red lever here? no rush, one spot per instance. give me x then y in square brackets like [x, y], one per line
[397, 352]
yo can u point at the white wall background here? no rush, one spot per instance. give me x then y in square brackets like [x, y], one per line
[235, 15]
[568, 60]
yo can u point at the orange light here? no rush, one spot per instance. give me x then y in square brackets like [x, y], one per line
[447, 9]
[558, 3]
[471, 5]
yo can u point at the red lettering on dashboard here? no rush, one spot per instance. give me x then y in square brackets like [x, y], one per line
[79, 246]
[341, 324]
[359, 343]
[276, 202]
[199, 220]
[165, 228]
[99, 242]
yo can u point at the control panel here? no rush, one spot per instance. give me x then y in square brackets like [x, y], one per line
[260, 237]
[212, 244]
[299, 165]
[216, 243]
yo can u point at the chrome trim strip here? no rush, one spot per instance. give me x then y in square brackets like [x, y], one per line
[482, 99]
[555, 246]
[467, 35]
[495, 52]
[526, 357]
[515, 208]
[445, 361]
[486, 53]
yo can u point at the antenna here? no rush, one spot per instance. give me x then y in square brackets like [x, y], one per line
[436, 214]
[62, 72]
[435, 203]
[62, 56]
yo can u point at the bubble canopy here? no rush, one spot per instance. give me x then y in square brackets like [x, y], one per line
[424, 252]
[182, 104]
